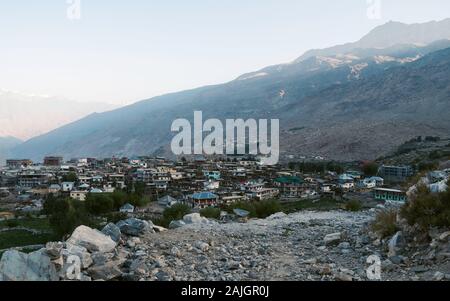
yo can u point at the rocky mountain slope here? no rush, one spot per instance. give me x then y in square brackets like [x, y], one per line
[6, 144]
[353, 103]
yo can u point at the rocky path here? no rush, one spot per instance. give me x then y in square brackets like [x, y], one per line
[279, 248]
[311, 246]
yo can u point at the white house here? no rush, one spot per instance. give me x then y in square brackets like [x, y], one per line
[67, 186]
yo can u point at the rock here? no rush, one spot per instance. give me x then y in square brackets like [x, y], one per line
[193, 218]
[397, 259]
[176, 224]
[444, 236]
[105, 272]
[54, 249]
[343, 277]
[203, 246]
[332, 239]
[396, 244]
[310, 261]
[80, 252]
[93, 240]
[438, 276]
[36, 266]
[112, 231]
[234, 265]
[344, 245]
[134, 226]
[159, 229]
[101, 258]
[277, 216]
[175, 252]
[419, 269]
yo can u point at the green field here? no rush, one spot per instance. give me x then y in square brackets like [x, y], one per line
[20, 238]
[317, 205]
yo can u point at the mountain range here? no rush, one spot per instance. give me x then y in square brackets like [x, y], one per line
[354, 101]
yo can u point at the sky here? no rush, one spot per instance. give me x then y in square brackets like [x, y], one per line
[120, 52]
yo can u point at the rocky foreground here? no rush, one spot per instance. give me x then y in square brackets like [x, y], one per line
[302, 246]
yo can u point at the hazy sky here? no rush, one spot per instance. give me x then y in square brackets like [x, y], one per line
[124, 51]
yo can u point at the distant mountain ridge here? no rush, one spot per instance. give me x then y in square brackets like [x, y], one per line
[389, 35]
[26, 116]
[339, 101]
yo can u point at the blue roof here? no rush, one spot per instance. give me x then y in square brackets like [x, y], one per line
[204, 195]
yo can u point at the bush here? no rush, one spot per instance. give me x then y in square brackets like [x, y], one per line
[176, 212]
[385, 223]
[12, 223]
[428, 209]
[99, 203]
[210, 212]
[370, 169]
[115, 217]
[67, 215]
[353, 205]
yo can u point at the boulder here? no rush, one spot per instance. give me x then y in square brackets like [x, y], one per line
[396, 244]
[277, 216]
[92, 240]
[36, 266]
[332, 239]
[444, 236]
[54, 249]
[134, 226]
[108, 271]
[193, 218]
[112, 231]
[176, 224]
[159, 229]
[80, 252]
[203, 246]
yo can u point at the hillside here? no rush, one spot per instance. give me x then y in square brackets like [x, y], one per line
[356, 104]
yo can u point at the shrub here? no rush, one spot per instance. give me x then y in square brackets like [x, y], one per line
[428, 209]
[353, 205]
[12, 223]
[67, 215]
[210, 212]
[370, 169]
[99, 203]
[176, 212]
[385, 223]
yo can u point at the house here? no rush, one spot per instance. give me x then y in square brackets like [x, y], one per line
[203, 200]
[290, 187]
[212, 175]
[395, 173]
[78, 195]
[346, 185]
[127, 208]
[211, 185]
[167, 201]
[54, 188]
[53, 161]
[392, 195]
[67, 186]
[367, 183]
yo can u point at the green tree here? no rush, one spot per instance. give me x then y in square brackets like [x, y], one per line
[67, 215]
[99, 203]
[70, 177]
[370, 169]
